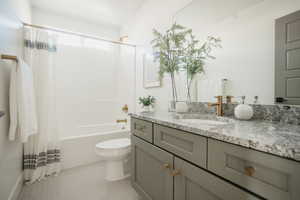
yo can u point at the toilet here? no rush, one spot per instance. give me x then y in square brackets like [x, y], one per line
[115, 152]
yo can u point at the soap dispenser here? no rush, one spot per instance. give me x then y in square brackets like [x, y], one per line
[243, 111]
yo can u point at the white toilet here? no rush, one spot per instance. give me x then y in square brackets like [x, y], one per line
[115, 152]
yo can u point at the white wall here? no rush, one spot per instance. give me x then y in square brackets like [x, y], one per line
[42, 17]
[11, 12]
[247, 56]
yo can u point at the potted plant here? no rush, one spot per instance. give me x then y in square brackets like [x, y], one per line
[194, 56]
[147, 102]
[168, 50]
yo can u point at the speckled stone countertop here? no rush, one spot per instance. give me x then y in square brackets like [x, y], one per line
[274, 138]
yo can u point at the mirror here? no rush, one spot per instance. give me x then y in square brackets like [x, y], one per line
[247, 58]
[151, 69]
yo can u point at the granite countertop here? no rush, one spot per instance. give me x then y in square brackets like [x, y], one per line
[274, 138]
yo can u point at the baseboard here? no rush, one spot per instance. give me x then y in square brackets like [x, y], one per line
[16, 189]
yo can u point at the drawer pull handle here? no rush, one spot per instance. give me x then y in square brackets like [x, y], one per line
[249, 171]
[176, 172]
[166, 166]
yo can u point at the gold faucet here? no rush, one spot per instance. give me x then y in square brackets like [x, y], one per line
[121, 120]
[219, 105]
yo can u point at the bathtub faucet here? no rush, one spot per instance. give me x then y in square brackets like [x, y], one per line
[121, 120]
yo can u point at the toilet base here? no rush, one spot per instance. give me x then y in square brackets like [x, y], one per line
[115, 170]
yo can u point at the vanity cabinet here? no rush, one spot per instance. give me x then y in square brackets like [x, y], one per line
[155, 178]
[178, 165]
[269, 176]
[193, 183]
[150, 174]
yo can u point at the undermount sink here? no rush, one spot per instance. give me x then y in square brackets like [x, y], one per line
[206, 122]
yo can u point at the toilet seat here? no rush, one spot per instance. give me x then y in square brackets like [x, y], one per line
[115, 152]
[114, 144]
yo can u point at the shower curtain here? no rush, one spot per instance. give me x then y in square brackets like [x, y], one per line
[42, 152]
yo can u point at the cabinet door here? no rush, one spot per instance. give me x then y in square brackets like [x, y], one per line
[151, 171]
[193, 183]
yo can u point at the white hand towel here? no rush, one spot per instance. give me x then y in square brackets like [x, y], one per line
[13, 104]
[24, 118]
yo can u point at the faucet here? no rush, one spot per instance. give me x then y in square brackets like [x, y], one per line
[121, 120]
[218, 104]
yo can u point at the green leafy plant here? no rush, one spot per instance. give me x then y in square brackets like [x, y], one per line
[194, 56]
[168, 50]
[147, 101]
[177, 49]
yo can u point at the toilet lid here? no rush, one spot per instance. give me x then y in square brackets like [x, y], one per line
[114, 144]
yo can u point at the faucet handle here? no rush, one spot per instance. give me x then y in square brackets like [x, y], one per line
[229, 99]
[219, 98]
[125, 108]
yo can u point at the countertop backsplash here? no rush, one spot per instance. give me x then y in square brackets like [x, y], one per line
[273, 113]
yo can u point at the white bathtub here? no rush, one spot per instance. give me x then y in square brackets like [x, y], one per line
[80, 149]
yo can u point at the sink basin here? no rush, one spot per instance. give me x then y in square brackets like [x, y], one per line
[206, 122]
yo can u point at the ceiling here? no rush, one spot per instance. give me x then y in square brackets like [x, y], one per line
[212, 11]
[112, 12]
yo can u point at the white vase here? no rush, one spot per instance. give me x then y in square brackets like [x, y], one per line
[243, 112]
[146, 109]
[181, 107]
[172, 106]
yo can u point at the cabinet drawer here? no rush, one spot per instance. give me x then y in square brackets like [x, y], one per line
[142, 129]
[268, 176]
[186, 145]
[194, 183]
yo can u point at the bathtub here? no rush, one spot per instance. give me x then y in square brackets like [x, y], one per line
[79, 150]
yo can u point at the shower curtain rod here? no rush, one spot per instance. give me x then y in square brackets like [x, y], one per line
[76, 33]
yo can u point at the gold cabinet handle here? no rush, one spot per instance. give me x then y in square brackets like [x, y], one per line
[176, 172]
[249, 170]
[166, 166]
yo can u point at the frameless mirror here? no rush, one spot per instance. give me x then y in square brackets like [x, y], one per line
[247, 58]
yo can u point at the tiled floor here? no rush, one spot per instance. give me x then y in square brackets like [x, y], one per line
[83, 183]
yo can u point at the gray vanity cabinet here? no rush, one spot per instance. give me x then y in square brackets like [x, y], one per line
[151, 169]
[268, 176]
[193, 183]
[172, 164]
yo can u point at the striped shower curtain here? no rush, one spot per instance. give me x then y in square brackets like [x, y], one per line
[42, 151]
